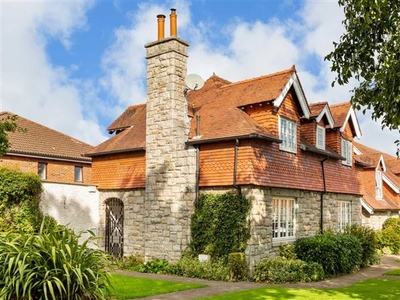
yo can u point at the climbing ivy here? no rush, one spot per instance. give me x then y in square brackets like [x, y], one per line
[219, 225]
[19, 201]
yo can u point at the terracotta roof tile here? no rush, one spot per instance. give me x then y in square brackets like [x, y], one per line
[316, 108]
[39, 140]
[340, 112]
[133, 137]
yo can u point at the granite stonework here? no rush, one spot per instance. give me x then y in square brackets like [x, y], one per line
[376, 219]
[261, 245]
[170, 164]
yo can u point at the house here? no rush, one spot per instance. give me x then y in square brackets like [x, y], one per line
[380, 185]
[259, 137]
[68, 193]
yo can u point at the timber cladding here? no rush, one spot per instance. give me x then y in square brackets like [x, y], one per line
[120, 171]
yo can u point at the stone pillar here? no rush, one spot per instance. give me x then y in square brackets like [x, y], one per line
[170, 165]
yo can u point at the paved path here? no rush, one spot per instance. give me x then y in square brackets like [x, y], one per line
[388, 263]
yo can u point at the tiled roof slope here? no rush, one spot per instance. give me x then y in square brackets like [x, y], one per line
[39, 140]
[133, 135]
[218, 103]
[340, 112]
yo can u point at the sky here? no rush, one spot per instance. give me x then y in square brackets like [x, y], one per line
[75, 66]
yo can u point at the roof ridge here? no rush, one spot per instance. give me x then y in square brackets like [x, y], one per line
[291, 70]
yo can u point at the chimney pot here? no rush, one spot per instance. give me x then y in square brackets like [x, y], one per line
[161, 30]
[173, 22]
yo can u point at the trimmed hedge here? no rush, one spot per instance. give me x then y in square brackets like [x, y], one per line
[369, 243]
[281, 270]
[336, 253]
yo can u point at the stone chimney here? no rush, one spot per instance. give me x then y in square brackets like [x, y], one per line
[170, 165]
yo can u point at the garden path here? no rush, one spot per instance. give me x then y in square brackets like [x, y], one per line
[388, 263]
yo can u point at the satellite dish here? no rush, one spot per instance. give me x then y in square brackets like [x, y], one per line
[194, 82]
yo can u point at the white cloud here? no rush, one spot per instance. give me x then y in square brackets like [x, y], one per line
[33, 86]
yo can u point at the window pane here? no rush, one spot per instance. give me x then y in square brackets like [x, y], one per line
[42, 170]
[283, 218]
[78, 174]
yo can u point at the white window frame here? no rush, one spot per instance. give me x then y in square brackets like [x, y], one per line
[288, 135]
[344, 214]
[347, 152]
[320, 137]
[283, 219]
[42, 170]
[78, 174]
[378, 185]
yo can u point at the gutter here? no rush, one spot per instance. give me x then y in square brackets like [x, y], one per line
[234, 138]
[114, 151]
[58, 158]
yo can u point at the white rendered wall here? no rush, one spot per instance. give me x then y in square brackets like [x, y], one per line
[74, 205]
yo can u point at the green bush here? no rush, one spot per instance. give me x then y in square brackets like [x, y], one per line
[336, 253]
[156, 266]
[389, 238]
[51, 264]
[392, 222]
[369, 243]
[219, 225]
[287, 251]
[237, 265]
[19, 201]
[131, 262]
[192, 267]
[281, 270]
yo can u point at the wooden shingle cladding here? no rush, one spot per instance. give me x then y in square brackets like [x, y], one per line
[120, 171]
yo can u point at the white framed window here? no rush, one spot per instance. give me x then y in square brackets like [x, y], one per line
[344, 218]
[78, 174]
[346, 152]
[42, 170]
[288, 135]
[320, 138]
[378, 185]
[283, 218]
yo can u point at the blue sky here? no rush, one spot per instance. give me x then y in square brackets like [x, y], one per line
[76, 65]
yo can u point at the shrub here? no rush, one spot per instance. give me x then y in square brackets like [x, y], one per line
[392, 222]
[287, 251]
[389, 238]
[336, 253]
[237, 264]
[281, 270]
[219, 225]
[131, 262]
[51, 264]
[192, 267]
[369, 243]
[156, 266]
[19, 201]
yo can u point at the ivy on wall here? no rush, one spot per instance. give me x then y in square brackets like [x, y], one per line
[19, 201]
[219, 225]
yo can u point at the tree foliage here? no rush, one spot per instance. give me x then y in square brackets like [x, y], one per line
[370, 52]
[8, 124]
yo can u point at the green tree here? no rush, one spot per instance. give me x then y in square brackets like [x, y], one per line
[7, 124]
[369, 51]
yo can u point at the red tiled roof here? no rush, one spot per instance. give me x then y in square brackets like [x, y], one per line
[39, 140]
[316, 108]
[340, 112]
[133, 135]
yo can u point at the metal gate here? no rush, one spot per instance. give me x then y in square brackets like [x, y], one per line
[115, 227]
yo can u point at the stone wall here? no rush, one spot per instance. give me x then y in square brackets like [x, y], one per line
[261, 244]
[170, 164]
[134, 216]
[74, 205]
[377, 219]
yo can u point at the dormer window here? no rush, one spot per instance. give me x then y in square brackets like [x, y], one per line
[320, 138]
[346, 152]
[378, 185]
[288, 135]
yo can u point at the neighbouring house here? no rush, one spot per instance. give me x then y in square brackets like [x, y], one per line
[68, 193]
[380, 185]
[259, 137]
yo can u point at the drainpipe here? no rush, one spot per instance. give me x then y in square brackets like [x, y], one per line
[196, 203]
[235, 167]
[321, 226]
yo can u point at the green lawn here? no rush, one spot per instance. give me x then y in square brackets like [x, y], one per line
[371, 289]
[394, 272]
[128, 287]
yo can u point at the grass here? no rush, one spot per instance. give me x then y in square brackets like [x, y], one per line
[128, 287]
[370, 289]
[394, 272]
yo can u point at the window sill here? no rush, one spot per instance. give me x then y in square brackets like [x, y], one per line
[283, 241]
